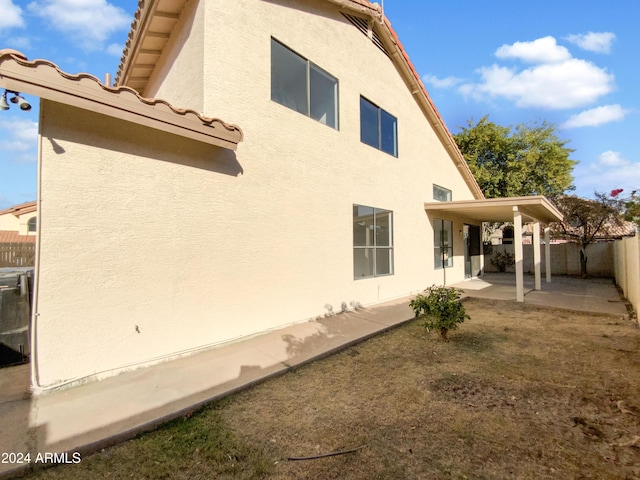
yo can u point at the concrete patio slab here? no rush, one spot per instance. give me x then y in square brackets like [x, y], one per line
[592, 295]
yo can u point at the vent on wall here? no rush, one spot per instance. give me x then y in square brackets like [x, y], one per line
[367, 30]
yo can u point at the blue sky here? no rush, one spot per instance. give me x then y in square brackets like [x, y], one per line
[572, 63]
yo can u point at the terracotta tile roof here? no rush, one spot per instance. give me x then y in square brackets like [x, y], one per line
[20, 209]
[45, 79]
[608, 232]
[10, 236]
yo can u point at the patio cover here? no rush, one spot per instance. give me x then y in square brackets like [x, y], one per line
[535, 209]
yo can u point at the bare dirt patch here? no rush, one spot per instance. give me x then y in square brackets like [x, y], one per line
[517, 392]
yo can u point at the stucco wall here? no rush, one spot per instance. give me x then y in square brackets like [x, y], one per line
[627, 268]
[153, 246]
[318, 169]
[9, 222]
[565, 259]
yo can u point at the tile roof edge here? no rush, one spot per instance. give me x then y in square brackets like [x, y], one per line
[22, 60]
[16, 209]
[455, 151]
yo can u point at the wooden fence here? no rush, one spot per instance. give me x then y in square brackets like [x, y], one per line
[17, 254]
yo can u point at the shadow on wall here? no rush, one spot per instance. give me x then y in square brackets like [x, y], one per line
[334, 332]
[94, 130]
[344, 308]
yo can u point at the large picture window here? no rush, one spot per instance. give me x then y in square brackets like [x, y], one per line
[443, 243]
[372, 242]
[302, 86]
[378, 128]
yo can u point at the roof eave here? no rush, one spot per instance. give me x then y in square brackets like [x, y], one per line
[148, 10]
[533, 208]
[46, 80]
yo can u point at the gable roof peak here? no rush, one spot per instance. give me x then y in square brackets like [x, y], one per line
[147, 9]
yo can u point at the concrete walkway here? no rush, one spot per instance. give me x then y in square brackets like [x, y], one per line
[88, 417]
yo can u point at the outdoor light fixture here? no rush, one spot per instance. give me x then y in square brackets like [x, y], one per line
[22, 103]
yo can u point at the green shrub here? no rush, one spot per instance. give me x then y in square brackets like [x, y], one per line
[441, 309]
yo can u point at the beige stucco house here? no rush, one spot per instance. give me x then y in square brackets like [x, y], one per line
[19, 221]
[188, 232]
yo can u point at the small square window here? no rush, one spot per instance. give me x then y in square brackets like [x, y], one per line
[441, 194]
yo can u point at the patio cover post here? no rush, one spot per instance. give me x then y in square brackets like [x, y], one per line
[547, 253]
[517, 246]
[536, 255]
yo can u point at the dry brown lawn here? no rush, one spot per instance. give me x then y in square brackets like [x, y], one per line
[517, 392]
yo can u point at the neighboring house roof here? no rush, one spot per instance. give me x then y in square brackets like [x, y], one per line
[46, 80]
[155, 19]
[21, 209]
[10, 236]
[607, 232]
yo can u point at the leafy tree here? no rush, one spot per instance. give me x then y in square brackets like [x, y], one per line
[512, 162]
[586, 220]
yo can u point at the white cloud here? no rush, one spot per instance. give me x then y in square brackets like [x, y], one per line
[568, 84]
[11, 15]
[88, 22]
[612, 159]
[19, 135]
[19, 42]
[610, 171]
[596, 116]
[555, 81]
[436, 82]
[115, 49]
[599, 42]
[542, 50]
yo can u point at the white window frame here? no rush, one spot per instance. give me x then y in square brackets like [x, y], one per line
[444, 191]
[373, 248]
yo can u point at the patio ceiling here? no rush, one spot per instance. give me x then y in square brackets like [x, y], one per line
[532, 209]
